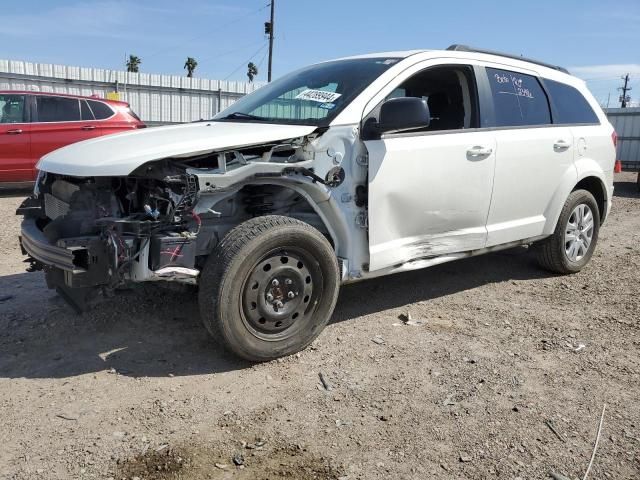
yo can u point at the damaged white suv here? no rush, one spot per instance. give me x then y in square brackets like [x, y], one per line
[338, 172]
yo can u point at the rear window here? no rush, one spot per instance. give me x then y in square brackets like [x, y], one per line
[100, 110]
[518, 99]
[570, 104]
[12, 108]
[58, 109]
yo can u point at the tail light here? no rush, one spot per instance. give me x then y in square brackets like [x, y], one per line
[617, 166]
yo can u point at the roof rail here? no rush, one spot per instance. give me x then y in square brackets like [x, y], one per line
[464, 48]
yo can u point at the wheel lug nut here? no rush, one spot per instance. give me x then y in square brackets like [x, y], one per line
[269, 297]
[279, 304]
[291, 295]
[275, 282]
[288, 281]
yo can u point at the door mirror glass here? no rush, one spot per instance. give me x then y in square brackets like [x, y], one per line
[403, 114]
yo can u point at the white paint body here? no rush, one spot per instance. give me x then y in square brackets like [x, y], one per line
[121, 154]
[429, 199]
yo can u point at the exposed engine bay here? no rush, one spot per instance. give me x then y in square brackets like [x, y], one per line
[161, 222]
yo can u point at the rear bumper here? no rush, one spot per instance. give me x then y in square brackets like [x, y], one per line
[35, 244]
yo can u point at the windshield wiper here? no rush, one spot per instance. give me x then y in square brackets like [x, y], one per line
[242, 116]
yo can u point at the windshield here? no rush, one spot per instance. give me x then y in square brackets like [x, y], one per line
[314, 95]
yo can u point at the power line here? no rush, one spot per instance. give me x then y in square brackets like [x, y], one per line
[246, 61]
[235, 50]
[600, 79]
[262, 61]
[225, 26]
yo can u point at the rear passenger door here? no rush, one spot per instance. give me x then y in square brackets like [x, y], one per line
[533, 155]
[60, 121]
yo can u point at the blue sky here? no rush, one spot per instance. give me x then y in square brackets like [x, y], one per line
[599, 41]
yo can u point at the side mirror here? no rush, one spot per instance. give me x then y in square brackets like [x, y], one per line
[402, 114]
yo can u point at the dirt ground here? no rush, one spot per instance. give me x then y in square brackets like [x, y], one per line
[499, 351]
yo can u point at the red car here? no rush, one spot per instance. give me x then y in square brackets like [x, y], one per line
[33, 124]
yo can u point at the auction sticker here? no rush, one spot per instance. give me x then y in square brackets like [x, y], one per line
[319, 96]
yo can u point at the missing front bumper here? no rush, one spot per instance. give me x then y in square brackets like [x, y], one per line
[81, 262]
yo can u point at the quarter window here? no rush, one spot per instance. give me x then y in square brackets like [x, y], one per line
[12, 108]
[518, 99]
[570, 105]
[58, 109]
[100, 110]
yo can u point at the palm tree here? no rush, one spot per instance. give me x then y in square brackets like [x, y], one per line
[252, 71]
[190, 65]
[133, 64]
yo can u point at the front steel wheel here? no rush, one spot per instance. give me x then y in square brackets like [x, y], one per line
[269, 287]
[280, 293]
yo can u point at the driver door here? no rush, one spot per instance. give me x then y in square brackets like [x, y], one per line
[430, 191]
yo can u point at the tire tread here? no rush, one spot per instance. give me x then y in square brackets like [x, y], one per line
[220, 261]
[548, 252]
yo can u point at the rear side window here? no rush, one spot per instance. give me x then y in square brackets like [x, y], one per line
[85, 111]
[12, 108]
[58, 109]
[100, 110]
[570, 104]
[518, 99]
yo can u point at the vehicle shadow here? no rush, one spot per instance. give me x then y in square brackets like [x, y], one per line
[439, 281]
[157, 332]
[626, 190]
[15, 192]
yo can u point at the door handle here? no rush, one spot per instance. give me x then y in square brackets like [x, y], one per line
[479, 151]
[16, 131]
[561, 145]
[89, 127]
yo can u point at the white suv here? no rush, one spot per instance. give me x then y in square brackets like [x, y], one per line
[335, 173]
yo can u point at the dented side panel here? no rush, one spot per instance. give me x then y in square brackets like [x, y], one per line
[427, 196]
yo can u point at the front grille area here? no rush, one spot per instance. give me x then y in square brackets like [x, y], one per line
[54, 207]
[56, 203]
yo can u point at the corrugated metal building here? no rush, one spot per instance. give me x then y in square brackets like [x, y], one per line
[626, 121]
[156, 98]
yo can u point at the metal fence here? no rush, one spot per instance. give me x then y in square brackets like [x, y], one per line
[626, 122]
[156, 98]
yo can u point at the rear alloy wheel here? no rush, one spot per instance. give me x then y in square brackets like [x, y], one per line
[572, 244]
[578, 233]
[269, 288]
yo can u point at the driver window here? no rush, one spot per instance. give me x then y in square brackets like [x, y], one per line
[450, 93]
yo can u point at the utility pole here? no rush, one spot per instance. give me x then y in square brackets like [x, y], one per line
[270, 32]
[624, 98]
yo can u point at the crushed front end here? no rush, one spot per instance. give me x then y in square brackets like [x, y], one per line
[93, 235]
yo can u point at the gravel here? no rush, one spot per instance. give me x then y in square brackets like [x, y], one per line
[467, 392]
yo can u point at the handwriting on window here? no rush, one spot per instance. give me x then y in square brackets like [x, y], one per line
[504, 79]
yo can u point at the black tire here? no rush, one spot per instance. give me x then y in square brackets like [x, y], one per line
[239, 304]
[552, 252]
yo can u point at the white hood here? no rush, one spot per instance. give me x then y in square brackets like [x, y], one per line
[119, 155]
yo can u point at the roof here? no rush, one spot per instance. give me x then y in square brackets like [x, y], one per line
[54, 94]
[465, 51]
